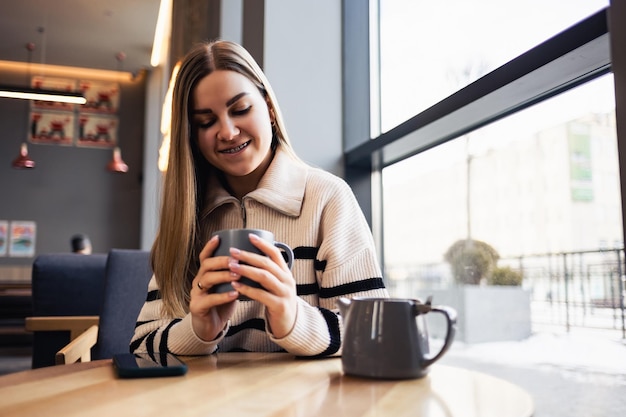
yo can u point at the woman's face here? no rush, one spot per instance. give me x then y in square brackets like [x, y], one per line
[233, 123]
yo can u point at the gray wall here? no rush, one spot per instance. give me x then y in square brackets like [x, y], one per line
[303, 62]
[301, 56]
[69, 191]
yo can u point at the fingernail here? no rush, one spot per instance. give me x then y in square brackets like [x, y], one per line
[234, 251]
[253, 236]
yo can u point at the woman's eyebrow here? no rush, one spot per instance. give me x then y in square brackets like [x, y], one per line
[229, 103]
[234, 99]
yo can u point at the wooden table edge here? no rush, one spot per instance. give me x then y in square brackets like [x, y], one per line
[31, 375]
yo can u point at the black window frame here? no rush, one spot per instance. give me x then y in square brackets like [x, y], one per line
[579, 54]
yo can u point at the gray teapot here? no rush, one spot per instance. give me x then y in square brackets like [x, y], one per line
[387, 337]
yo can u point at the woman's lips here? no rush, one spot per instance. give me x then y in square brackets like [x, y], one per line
[236, 148]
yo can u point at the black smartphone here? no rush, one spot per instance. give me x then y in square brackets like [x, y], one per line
[144, 365]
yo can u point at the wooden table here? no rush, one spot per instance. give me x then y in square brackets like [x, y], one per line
[256, 384]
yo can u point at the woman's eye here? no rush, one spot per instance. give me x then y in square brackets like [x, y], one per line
[205, 124]
[241, 112]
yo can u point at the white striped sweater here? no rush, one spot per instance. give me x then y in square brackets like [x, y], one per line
[316, 214]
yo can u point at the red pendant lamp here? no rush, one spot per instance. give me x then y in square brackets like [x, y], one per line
[117, 164]
[23, 161]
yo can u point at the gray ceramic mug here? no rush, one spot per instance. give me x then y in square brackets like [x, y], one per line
[239, 238]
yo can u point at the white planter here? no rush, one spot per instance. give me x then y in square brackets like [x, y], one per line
[485, 313]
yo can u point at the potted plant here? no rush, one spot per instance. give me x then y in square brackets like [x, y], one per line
[471, 260]
[505, 275]
[489, 299]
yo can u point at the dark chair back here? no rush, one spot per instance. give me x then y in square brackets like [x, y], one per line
[64, 284]
[128, 272]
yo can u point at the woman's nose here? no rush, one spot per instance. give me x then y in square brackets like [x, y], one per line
[228, 130]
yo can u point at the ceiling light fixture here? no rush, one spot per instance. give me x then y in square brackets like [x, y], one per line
[160, 31]
[29, 93]
[68, 72]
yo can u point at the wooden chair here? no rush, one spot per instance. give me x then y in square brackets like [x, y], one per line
[83, 333]
[127, 275]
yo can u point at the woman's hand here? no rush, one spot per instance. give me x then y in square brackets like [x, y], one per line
[279, 294]
[211, 311]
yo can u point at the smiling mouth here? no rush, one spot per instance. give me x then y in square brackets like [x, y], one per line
[236, 149]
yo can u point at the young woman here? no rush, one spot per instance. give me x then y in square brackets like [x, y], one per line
[231, 165]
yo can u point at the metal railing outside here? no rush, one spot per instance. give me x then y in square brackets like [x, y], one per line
[576, 289]
[584, 289]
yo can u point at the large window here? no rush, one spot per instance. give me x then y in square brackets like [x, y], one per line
[542, 181]
[537, 183]
[491, 121]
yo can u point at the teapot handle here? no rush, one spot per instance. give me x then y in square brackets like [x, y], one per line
[450, 315]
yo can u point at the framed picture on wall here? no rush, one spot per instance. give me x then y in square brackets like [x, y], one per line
[96, 130]
[4, 236]
[22, 239]
[52, 127]
[61, 84]
[102, 97]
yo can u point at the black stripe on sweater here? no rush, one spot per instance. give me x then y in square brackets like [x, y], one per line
[319, 265]
[333, 330]
[240, 350]
[256, 324]
[305, 252]
[141, 323]
[135, 344]
[307, 289]
[153, 295]
[150, 342]
[166, 333]
[309, 252]
[352, 287]
[302, 252]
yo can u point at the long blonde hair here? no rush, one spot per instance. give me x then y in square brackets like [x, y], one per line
[177, 244]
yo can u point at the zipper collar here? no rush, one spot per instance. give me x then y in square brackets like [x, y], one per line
[281, 188]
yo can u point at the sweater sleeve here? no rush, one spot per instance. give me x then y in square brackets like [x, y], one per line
[347, 251]
[156, 333]
[351, 269]
[313, 334]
